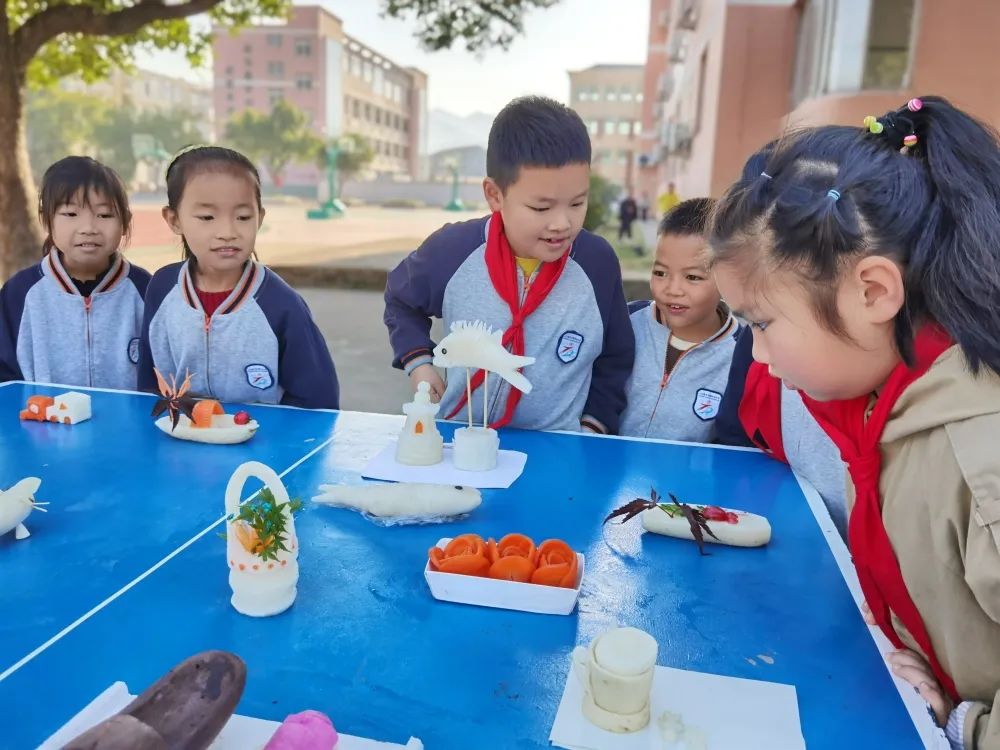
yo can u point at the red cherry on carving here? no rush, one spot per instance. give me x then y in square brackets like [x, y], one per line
[241, 417]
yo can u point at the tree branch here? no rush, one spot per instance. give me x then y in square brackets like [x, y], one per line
[82, 19]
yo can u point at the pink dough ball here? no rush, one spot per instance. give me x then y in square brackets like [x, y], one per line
[309, 730]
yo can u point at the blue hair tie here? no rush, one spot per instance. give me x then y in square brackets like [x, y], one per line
[835, 194]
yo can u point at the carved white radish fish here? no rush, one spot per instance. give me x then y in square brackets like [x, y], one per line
[475, 345]
[16, 505]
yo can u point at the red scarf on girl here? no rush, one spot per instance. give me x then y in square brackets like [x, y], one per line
[502, 268]
[858, 441]
[760, 410]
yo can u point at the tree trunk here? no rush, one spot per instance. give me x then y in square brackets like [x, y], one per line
[20, 233]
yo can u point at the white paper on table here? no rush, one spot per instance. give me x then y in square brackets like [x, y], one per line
[732, 714]
[240, 733]
[510, 464]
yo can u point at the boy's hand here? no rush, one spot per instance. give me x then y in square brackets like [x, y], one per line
[911, 666]
[428, 374]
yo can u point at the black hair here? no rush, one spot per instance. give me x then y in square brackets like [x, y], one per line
[72, 178]
[534, 131]
[687, 217]
[194, 160]
[920, 185]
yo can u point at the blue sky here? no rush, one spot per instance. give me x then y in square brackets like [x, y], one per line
[571, 35]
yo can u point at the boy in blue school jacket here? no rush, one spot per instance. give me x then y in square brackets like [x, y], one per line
[684, 336]
[531, 271]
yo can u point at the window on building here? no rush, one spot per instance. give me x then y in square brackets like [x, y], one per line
[623, 157]
[887, 57]
[247, 49]
[304, 82]
[594, 127]
[274, 40]
[636, 127]
[355, 65]
[247, 76]
[368, 111]
[303, 48]
[626, 94]
[229, 70]
[229, 96]
[406, 152]
[609, 127]
[624, 127]
[248, 102]
[611, 94]
[378, 116]
[367, 71]
[276, 68]
[274, 96]
[406, 125]
[229, 83]
[356, 106]
[638, 96]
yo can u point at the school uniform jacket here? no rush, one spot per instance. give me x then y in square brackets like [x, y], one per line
[261, 345]
[579, 335]
[808, 450]
[683, 404]
[50, 333]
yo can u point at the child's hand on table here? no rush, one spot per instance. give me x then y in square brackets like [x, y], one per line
[430, 375]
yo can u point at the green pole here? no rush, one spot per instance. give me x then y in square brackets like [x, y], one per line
[455, 204]
[333, 207]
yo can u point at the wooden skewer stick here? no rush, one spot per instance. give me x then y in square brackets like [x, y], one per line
[486, 405]
[468, 394]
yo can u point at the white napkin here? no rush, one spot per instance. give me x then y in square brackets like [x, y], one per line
[510, 464]
[240, 733]
[721, 713]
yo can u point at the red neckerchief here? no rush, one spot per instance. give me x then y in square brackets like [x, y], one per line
[502, 268]
[858, 441]
[760, 410]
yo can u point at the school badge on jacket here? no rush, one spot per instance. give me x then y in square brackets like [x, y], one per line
[259, 376]
[568, 348]
[706, 404]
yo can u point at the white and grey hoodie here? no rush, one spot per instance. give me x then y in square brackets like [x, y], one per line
[680, 405]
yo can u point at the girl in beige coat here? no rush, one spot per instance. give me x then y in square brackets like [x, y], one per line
[867, 261]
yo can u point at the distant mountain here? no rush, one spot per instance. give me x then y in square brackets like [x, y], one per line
[447, 130]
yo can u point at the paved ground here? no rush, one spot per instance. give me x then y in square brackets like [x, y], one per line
[351, 322]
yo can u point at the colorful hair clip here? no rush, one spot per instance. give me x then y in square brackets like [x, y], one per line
[914, 105]
[873, 124]
[835, 194]
[910, 140]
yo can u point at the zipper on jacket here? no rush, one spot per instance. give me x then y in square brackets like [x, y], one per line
[208, 358]
[665, 380]
[87, 302]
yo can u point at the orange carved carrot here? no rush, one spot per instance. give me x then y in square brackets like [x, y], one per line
[512, 568]
[203, 412]
[465, 555]
[557, 564]
[517, 545]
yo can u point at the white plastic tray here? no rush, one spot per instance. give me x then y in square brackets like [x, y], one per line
[489, 592]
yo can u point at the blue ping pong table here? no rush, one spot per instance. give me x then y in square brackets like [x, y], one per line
[126, 576]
